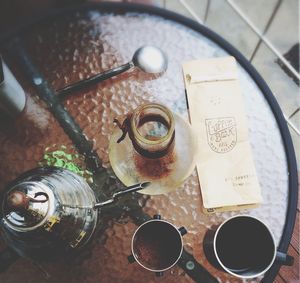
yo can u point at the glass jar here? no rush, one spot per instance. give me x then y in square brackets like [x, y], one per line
[153, 144]
[152, 130]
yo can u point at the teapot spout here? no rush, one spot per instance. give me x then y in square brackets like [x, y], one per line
[131, 189]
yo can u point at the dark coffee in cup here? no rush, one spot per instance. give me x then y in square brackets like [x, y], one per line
[243, 246]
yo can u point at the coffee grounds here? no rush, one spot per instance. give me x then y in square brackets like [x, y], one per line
[157, 245]
[157, 168]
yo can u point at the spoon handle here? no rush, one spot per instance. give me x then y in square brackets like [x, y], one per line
[63, 92]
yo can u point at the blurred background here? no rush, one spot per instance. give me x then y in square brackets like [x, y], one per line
[266, 32]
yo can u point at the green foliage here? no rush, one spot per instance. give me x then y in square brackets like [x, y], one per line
[62, 158]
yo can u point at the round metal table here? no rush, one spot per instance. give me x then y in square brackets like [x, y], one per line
[69, 45]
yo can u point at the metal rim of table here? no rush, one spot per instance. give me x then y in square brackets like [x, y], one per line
[122, 8]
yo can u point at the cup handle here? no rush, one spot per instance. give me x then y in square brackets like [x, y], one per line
[284, 259]
[7, 258]
[182, 231]
[157, 216]
[131, 259]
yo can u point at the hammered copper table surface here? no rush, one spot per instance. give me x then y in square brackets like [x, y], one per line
[76, 46]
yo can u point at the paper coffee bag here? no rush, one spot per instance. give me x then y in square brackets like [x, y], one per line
[225, 164]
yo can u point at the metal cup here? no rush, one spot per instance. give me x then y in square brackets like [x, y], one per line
[157, 245]
[243, 246]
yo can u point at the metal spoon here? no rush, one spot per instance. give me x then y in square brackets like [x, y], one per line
[149, 59]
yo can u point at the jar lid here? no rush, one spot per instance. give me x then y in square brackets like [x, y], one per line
[25, 205]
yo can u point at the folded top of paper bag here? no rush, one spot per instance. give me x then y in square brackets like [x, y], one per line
[225, 164]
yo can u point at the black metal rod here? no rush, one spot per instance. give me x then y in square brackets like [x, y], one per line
[194, 269]
[45, 92]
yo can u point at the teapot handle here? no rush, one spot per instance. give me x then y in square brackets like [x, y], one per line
[7, 258]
